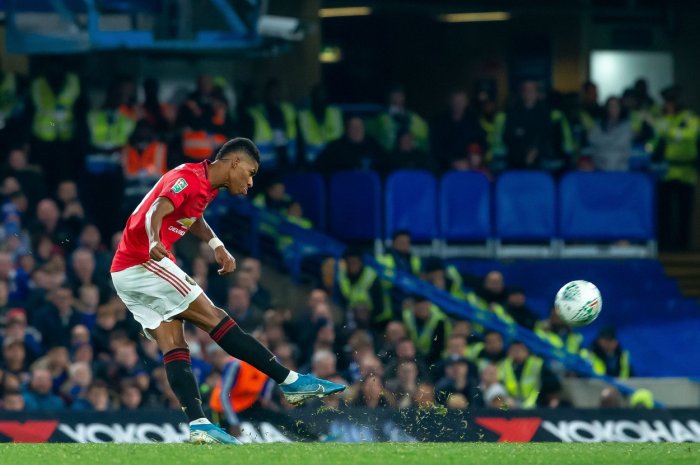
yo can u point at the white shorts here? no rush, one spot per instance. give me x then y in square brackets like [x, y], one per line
[155, 291]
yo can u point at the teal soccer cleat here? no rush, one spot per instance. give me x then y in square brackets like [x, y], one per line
[307, 387]
[210, 434]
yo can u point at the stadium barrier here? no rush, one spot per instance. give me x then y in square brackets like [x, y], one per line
[367, 425]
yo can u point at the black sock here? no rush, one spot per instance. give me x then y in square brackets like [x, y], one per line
[178, 368]
[243, 346]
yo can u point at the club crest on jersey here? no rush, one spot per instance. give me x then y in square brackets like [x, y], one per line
[179, 186]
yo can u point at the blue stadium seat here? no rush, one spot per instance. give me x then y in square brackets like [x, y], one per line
[355, 206]
[465, 206]
[525, 206]
[606, 207]
[309, 189]
[411, 204]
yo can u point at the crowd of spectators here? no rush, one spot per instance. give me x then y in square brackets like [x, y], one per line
[71, 173]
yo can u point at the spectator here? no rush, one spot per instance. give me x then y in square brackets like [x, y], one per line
[319, 124]
[491, 350]
[274, 198]
[394, 332]
[608, 356]
[144, 161]
[56, 114]
[323, 364]
[526, 378]
[424, 397]
[427, 326]
[39, 397]
[397, 119]
[493, 289]
[405, 384]
[57, 318]
[678, 132]
[16, 278]
[49, 223]
[370, 393]
[239, 308]
[455, 130]
[79, 379]
[517, 308]
[159, 116]
[126, 365]
[14, 358]
[130, 397]
[589, 112]
[610, 397]
[260, 299]
[457, 381]
[16, 328]
[406, 350]
[13, 401]
[492, 123]
[91, 239]
[446, 277]
[96, 398]
[57, 361]
[407, 156]
[275, 128]
[611, 139]
[354, 151]
[401, 257]
[528, 130]
[29, 177]
[559, 333]
[105, 323]
[361, 294]
[259, 293]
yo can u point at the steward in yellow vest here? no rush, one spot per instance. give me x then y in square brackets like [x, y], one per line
[54, 99]
[361, 292]
[398, 119]
[608, 357]
[319, 124]
[526, 378]
[676, 144]
[8, 97]
[275, 128]
[559, 334]
[399, 257]
[427, 326]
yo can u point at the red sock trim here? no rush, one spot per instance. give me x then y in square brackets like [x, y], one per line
[222, 328]
[177, 354]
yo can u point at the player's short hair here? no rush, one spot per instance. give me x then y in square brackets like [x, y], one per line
[239, 144]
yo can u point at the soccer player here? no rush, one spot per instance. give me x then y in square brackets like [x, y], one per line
[162, 297]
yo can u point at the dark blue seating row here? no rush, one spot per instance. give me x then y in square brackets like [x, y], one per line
[464, 206]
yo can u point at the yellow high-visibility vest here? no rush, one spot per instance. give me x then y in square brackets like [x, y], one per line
[8, 94]
[316, 133]
[600, 368]
[680, 133]
[263, 137]
[109, 129]
[54, 119]
[357, 293]
[527, 388]
[385, 130]
[424, 340]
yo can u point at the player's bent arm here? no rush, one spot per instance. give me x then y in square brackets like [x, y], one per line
[154, 219]
[201, 230]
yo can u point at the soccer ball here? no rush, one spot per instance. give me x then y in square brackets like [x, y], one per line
[578, 303]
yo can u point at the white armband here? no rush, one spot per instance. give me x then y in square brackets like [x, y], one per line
[215, 242]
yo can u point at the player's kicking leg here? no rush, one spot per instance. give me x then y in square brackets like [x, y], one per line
[178, 367]
[224, 331]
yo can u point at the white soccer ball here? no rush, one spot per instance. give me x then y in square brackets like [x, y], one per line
[578, 302]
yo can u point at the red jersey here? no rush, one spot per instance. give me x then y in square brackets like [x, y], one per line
[189, 189]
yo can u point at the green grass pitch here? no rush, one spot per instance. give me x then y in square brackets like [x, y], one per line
[351, 454]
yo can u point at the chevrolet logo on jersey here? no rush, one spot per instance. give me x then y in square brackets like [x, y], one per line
[187, 222]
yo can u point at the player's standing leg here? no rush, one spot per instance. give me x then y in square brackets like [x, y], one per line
[237, 343]
[178, 368]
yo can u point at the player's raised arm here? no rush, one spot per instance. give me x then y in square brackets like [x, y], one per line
[154, 218]
[203, 231]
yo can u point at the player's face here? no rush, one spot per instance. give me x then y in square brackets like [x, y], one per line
[240, 176]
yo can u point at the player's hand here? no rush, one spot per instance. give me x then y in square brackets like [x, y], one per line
[225, 260]
[158, 251]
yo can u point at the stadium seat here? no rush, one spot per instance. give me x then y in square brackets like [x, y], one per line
[355, 206]
[465, 207]
[309, 189]
[606, 207]
[525, 207]
[411, 201]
